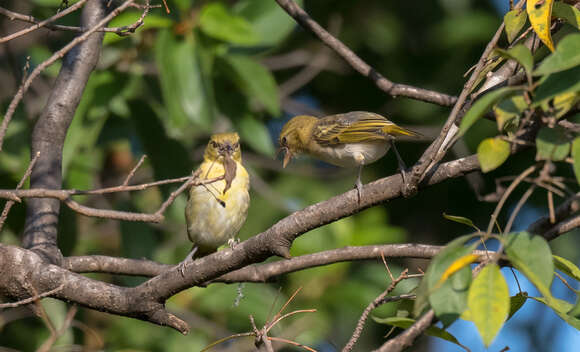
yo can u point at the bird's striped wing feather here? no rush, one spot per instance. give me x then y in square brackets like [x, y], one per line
[356, 127]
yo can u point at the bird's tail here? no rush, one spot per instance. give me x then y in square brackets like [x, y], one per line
[395, 130]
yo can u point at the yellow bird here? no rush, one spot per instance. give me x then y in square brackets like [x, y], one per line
[215, 212]
[352, 139]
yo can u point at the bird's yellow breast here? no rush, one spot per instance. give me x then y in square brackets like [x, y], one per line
[213, 217]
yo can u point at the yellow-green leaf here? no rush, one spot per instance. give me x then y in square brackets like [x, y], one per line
[566, 266]
[552, 144]
[566, 56]
[540, 13]
[562, 308]
[522, 55]
[576, 157]
[565, 102]
[489, 302]
[461, 220]
[492, 152]
[531, 255]
[218, 22]
[567, 12]
[457, 265]
[405, 323]
[514, 22]
[482, 105]
[508, 111]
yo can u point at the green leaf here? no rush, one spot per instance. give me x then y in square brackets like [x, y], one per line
[449, 298]
[90, 116]
[461, 220]
[405, 323]
[567, 267]
[531, 255]
[489, 302]
[567, 12]
[563, 103]
[552, 144]
[256, 134]
[267, 19]
[556, 84]
[522, 55]
[183, 83]
[492, 152]
[508, 111]
[566, 56]
[562, 308]
[255, 81]
[516, 302]
[216, 21]
[424, 290]
[514, 22]
[575, 311]
[482, 105]
[576, 157]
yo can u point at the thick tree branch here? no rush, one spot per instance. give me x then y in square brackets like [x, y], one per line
[257, 272]
[278, 239]
[26, 274]
[40, 233]
[565, 216]
[391, 88]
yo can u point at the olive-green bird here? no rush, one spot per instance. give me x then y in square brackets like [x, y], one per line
[216, 211]
[351, 139]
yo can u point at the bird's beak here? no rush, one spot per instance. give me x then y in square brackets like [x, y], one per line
[287, 157]
[227, 151]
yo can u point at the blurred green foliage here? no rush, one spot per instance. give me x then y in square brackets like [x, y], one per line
[203, 68]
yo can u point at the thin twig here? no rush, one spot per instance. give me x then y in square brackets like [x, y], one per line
[45, 347]
[518, 207]
[120, 31]
[10, 203]
[444, 141]
[291, 343]
[31, 299]
[551, 207]
[38, 24]
[132, 173]
[391, 88]
[57, 55]
[506, 194]
[374, 304]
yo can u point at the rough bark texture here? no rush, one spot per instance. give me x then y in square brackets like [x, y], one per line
[41, 227]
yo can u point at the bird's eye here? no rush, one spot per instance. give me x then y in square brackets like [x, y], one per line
[237, 145]
[283, 140]
[214, 144]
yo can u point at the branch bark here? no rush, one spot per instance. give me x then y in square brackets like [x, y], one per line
[40, 232]
[384, 84]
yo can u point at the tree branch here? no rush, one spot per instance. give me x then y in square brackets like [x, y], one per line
[389, 87]
[40, 232]
[278, 238]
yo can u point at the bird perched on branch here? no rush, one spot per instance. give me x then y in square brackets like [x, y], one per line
[216, 211]
[352, 139]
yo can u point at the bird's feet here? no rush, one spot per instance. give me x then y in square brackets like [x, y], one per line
[183, 265]
[233, 242]
[358, 185]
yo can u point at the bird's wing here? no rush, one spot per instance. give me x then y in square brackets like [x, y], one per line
[355, 127]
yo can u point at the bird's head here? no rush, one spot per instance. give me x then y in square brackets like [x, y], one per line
[295, 136]
[225, 145]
